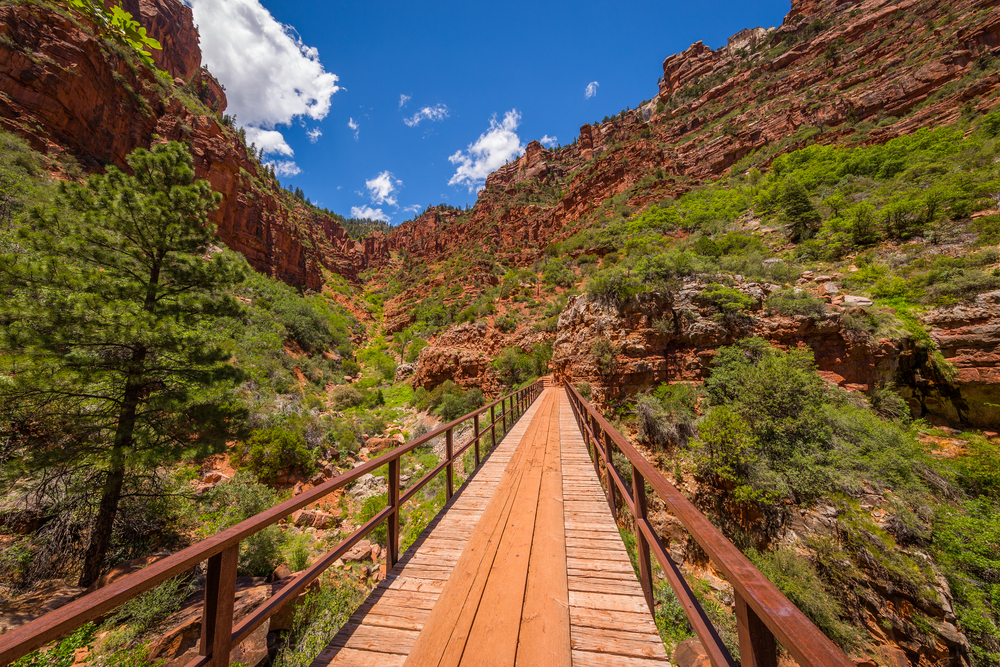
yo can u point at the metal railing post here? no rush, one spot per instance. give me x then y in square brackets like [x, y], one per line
[757, 645]
[493, 428]
[217, 613]
[642, 546]
[392, 552]
[609, 478]
[475, 426]
[450, 471]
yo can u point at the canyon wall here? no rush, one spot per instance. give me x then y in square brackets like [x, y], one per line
[80, 98]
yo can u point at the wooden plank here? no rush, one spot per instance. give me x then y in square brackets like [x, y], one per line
[544, 638]
[618, 642]
[492, 635]
[456, 609]
[588, 659]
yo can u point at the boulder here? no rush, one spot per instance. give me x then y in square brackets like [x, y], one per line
[361, 551]
[690, 653]
[314, 519]
[178, 643]
[42, 598]
[368, 486]
[857, 301]
[404, 372]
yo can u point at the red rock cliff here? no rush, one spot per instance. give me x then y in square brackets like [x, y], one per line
[69, 93]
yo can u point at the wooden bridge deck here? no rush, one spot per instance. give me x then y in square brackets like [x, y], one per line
[525, 566]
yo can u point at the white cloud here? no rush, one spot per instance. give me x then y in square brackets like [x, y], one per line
[314, 135]
[370, 213]
[271, 141]
[548, 141]
[271, 76]
[286, 168]
[354, 127]
[492, 150]
[439, 112]
[412, 209]
[382, 187]
[403, 99]
[591, 90]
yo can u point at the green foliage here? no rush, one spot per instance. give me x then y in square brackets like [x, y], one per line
[726, 299]
[667, 416]
[803, 218]
[515, 367]
[604, 354]
[991, 123]
[584, 389]
[967, 543]
[507, 322]
[118, 24]
[368, 511]
[796, 578]
[318, 619]
[979, 469]
[143, 614]
[278, 447]
[555, 272]
[796, 302]
[613, 288]
[345, 396]
[111, 345]
[454, 405]
[782, 431]
[63, 653]
[239, 499]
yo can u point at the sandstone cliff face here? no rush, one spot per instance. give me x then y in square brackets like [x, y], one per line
[686, 334]
[71, 93]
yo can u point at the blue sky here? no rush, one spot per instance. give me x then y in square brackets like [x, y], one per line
[325, 92]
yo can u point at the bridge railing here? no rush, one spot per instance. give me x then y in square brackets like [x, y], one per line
[763, 614]
[219, 635]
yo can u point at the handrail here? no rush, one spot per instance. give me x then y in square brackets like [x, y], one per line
[218, 636]
[763, 614]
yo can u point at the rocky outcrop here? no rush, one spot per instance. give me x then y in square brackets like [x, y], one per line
[670, 337]
[172, 24]
[70, 94]
[464, 354]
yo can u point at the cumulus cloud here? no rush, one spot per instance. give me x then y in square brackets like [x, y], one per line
[271, 76]
[403, 99]
[548, 141]
[439, 112]
[412, 208]
[492, 150]
[591, 90]
[354, 127]
[370, 213]
[314, 135]
[271, 141]
[286, 168]
[382, 187]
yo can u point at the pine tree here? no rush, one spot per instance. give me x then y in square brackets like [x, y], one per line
[110, 365]
[802, 216]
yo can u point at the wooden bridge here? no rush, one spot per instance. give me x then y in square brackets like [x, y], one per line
[525, 564]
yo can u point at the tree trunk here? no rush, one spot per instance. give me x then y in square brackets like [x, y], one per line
[100, 536]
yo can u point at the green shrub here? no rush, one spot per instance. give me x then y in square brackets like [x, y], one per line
[584, 389]
[275, 448]
[796, 302]
[604, 354]
[507, 322]
[726, 299]
[797, 579]
[613, 288]
[515, 367]
[798, 211]
[237, 500]
[371, 507]
[345, 396]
